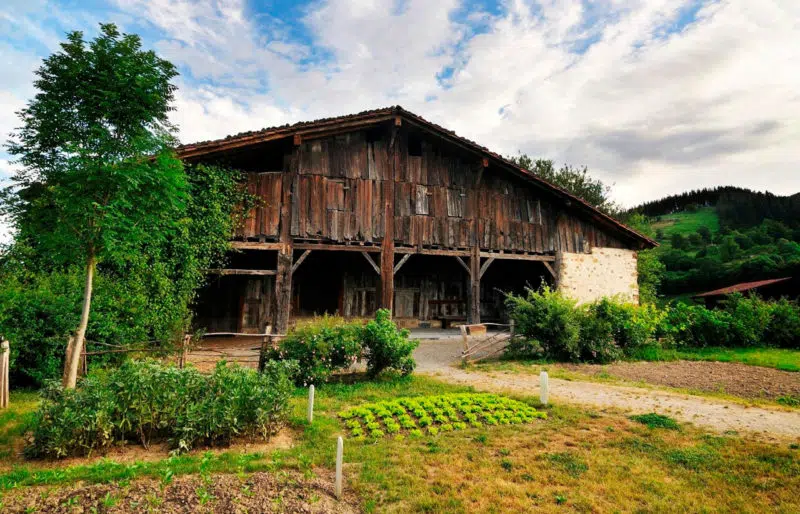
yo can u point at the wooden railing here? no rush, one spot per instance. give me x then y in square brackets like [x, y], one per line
[480, 343]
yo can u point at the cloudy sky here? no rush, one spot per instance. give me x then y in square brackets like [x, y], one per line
[654, 96]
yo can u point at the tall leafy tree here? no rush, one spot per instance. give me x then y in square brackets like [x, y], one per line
[577, 181]
[99, 180]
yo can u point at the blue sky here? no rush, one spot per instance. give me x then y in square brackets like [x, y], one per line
[654, 96]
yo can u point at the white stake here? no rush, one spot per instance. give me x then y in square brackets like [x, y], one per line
[339, 453]
[311, 403]
[544, 388]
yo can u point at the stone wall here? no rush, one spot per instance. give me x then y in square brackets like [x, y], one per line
[587, 277]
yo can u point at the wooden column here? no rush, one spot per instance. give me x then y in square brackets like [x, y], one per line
[387, 246]
[283, 276]
[474, 315]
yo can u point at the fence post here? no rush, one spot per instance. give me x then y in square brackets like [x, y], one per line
[266, 345]
[544, 388]
[339, 454]
[311, 404]
[5, 353]
[184, 351]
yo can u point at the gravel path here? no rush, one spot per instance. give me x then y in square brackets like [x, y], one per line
[436, 358]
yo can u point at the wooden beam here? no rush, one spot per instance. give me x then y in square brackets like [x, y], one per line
[485, 266]
[297, 140]
[519, 256]
[387, 245]
[432, 251]
[299, 261]
[336, 248]
[398, 121]
[371, 262]
[254, 272]
[550, 269]
[463, 264]
[251, 245]
[283, 277]
[474, 315]
[400, 264]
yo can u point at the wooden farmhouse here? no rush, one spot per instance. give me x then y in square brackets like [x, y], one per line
[386, 209]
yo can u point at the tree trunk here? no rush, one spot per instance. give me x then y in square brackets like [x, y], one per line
[74, 353]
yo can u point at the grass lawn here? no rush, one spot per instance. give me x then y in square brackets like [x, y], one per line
[576, 459]
[687, 222]
[778, 358]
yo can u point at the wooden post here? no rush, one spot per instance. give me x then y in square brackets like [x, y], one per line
[387, 246]
[464, 358]
[5, 353]
[184, 351]
[266, 345]
[283, 277]
[339, 456]
[474, 316]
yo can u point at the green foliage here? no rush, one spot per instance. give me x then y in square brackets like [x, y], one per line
[329, 344]
[320, 348]
[143, 303]
[147, 402]
[386, 346]
[653, 420]
[783, 329]
[575, 180]
[633, 327]
[435, 413]
[547, 324]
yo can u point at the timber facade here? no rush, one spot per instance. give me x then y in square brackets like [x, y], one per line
[385, 209]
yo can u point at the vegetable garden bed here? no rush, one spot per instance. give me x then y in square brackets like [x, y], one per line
[434, 414]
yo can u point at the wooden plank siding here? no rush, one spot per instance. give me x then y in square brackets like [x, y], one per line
[443, 198]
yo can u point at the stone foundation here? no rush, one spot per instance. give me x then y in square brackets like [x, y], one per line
[604, 272]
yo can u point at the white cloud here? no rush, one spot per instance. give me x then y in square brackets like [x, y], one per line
[651, 109]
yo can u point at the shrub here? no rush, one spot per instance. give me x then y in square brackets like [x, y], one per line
[633, 326]
[545, 323]
[386, 346]
[749, 318]
[783, 329]
[597, 339]
[147, 401]
[326, 345]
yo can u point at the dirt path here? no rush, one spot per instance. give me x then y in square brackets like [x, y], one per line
[435, 358]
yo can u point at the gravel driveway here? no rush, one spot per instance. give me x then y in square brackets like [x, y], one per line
[437, 358]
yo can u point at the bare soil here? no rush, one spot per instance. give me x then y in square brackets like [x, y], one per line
[258, 492]
[735, 379]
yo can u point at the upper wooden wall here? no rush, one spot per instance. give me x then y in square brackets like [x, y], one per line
[442, 197]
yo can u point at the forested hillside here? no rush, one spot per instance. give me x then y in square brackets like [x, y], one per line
[713, 238]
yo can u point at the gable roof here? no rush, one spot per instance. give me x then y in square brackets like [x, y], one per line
[339, 124]
[744, 286]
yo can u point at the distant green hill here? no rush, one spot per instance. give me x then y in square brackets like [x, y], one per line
[715, 238]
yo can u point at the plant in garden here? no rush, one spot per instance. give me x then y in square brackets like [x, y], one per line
[387, 347]
[319, 348]
[434, 414]
[147, 401]
[98, 177]
[546, 324]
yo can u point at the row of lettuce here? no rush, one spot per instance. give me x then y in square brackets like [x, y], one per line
[550, 325]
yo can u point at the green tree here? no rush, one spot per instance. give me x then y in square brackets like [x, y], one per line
[98, 177]
[729, 249]
[695, 240]
[705, 233]
[575, 180]
[678, 241]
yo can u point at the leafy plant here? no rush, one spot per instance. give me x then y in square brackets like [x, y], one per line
[546, 324]
[387, 347]
[462, 409]
[147, 401]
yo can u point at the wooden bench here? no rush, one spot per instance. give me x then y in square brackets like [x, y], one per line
[446, 319]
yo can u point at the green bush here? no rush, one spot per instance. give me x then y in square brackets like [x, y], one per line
[329, 344]
[633, 327]
[546, 324]
[146, 401]
[749, 319]
[387, 347]
[783, 329]
[597, 342]
[320, 348]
